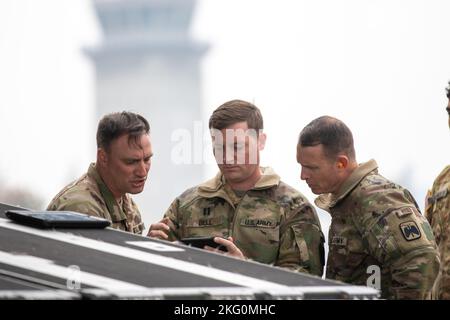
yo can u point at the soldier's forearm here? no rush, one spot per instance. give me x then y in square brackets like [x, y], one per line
[415, 278]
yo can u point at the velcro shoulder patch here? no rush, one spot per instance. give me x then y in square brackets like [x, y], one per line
[410, 230]
[404, 212]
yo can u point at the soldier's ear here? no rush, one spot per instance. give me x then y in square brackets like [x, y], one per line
[262, 141]
[342, 162]
[102, 157]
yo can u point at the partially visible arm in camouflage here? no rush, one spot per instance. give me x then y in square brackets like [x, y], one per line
[442, 286]
[82, 203]
[412, 260]
[413, 274]
[301, 240]
[172, 214]
[438, 214]
[433, 219]
[428, 208]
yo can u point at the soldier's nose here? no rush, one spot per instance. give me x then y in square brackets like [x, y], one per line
[141, 170]
[303, 175]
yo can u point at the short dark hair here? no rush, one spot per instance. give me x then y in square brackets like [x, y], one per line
[448, 90]
[330, 132]
[114, 125]
[235, 111]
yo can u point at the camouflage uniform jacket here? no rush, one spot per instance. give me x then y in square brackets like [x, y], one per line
[376, 225]
[90, 195]
[272, 223]
[438, 213]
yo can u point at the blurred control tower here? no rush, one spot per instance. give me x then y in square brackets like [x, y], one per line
[147, 63]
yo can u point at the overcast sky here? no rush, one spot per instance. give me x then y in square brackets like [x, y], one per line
[380, 66]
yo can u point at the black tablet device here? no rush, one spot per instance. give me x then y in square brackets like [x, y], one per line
[201, 242]
[56, 219]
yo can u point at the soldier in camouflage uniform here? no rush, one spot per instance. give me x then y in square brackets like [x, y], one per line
[438, 213]
[262, 218]
[123, 162]
[377, 236]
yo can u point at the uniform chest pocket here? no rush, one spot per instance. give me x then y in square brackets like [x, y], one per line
[205, 216]
[347, 254]
[347, 264]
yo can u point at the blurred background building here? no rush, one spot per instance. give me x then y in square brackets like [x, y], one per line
[380, 66]
[147, 62]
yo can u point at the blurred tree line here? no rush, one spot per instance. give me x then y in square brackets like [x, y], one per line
[21, 197]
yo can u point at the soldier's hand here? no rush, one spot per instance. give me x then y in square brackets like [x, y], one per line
[232, 249]
[160, 229]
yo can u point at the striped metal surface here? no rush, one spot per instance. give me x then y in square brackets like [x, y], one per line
[106, 263]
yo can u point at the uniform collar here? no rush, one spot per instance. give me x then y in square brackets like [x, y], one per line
[211, 187]
[327, 200]
[114, 210]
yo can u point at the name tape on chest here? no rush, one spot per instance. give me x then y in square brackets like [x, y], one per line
[339, 241]
[204, 222]
[262, 223]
